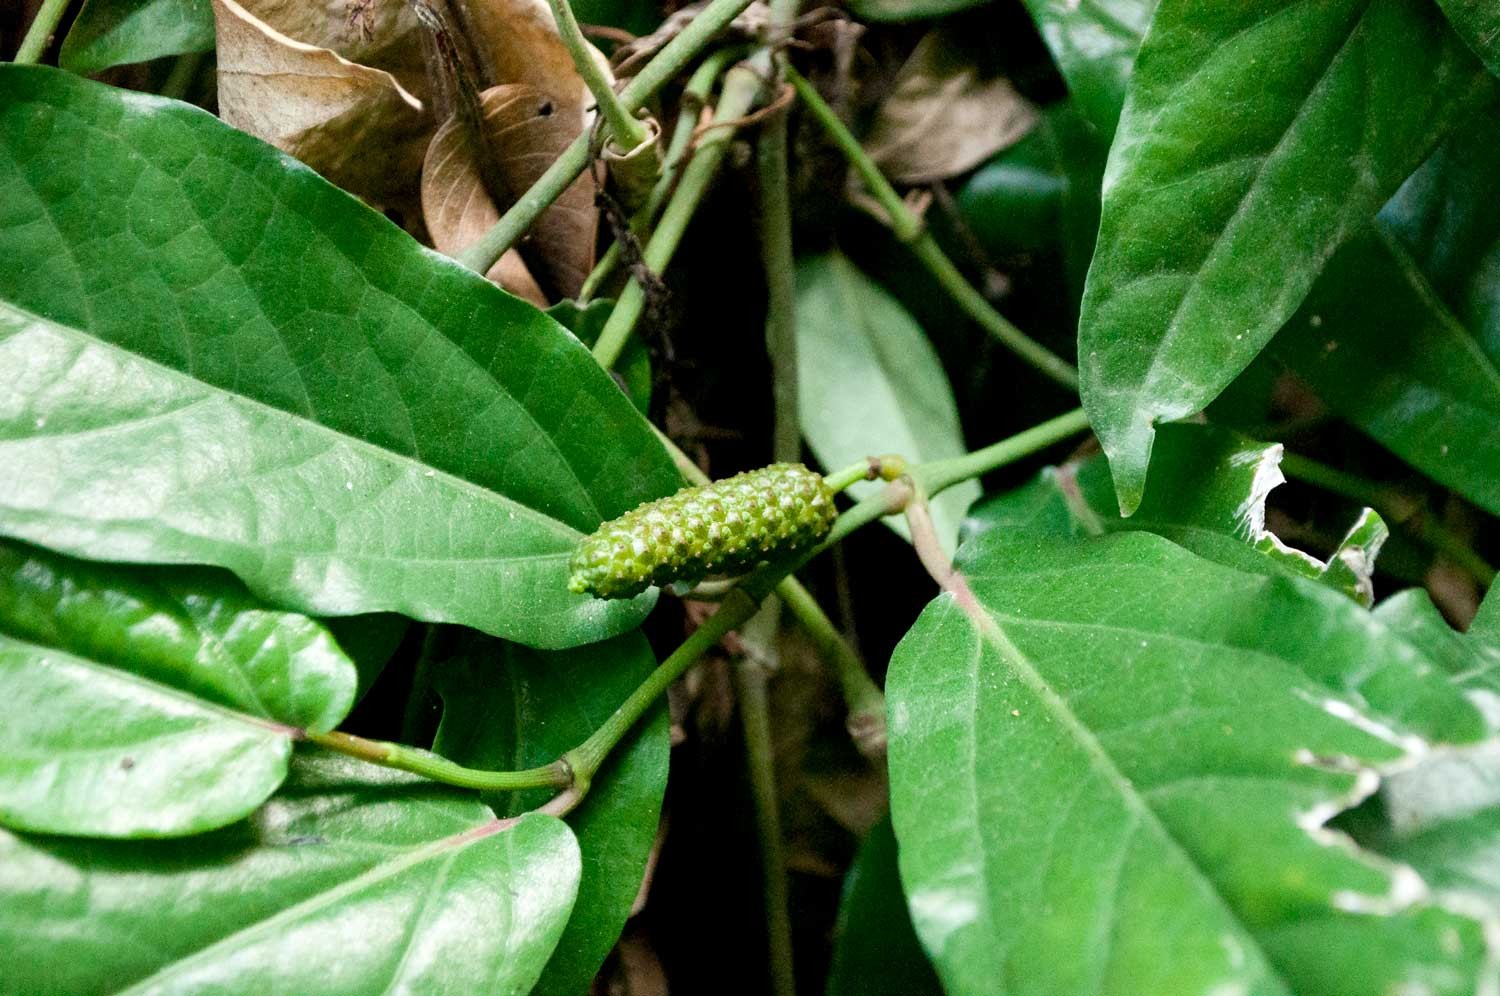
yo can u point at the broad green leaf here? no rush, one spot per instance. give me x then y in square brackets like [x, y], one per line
[1111, 763]
[352, 880]
[632, 369]
[193, 629]
[1472, 663]
[870, 383]
[370, 640]
[89, 750]
[1207, 491]
[1094, 43]
[507, 707]
[875, 950]
[1401, 334]
[245, 367]
[1486, 624]
[113, 32]
[1477, 23]
[139, 702]
[1460, 858]
[1255, 139]
[1380, 348]
[1042, 192]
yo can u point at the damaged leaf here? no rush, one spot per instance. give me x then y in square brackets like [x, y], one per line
[943, 117]
[526, 130]
[1112, 764]
[1235, 172]
[1207, 492]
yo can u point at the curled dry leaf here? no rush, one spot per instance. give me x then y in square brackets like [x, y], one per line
[527, 130]
[381, 34]
[944, 117]
[355, 125]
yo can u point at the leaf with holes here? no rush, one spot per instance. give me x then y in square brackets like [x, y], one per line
[371, 429]
[1112, 763]
[353, 880]
[1243, 159]
[1207, 492]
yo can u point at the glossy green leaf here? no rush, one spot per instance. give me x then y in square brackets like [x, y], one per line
[195, 630]
[1486, 624]
[114, 32]
[141, 702]
[1477, 23]
[1094, 43]
[1255, 139]
[352, 880]
[870, 383]
[245, 367]
[89, 750]
[1111, 767]
[507, 707]
[1460, 858]
[875, 950]
[1380, 348]
[1207, 491]
[1472, 662]
[633, 369]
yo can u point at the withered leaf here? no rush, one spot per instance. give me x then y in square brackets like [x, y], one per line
[355, 125]
[526, 133]
[944, 117]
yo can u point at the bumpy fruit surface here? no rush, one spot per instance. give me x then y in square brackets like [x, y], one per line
[725, 528]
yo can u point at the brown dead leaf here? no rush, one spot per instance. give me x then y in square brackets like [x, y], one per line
[527, 132]
[943, 118]
[355, 125]
[381, 34]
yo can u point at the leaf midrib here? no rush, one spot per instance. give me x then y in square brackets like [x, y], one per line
[992, 633]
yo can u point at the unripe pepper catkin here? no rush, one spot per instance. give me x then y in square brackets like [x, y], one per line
[725, 528]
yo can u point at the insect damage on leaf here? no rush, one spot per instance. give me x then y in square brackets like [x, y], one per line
[726, 527]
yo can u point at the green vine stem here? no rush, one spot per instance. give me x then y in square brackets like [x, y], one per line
[577, 767]
[39, 35]
[742, 85]
[908, 228]
[1400, 509]
[755, 720]
[654, 75]
[694, 96]
[626, 131]
[440, 769]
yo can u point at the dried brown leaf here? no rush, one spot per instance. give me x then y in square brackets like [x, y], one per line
[944, 117]
[355, 125]
[381, 34]
[526, 133]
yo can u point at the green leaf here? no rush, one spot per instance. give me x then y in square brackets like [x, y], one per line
[1094, 43]
[633, 368]
[114, 32]
[195, 630]
[1486, 624]
[870, 383]
[1461, 858]
[1111, 764]
[149, 703]
[1473, 663]
[1256, 138]
[875, 950]
[1207, 491]
[352, 880]
[1478, 24]
[507, 707]
[1380, 348]
[245, 367]
[89, 750]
